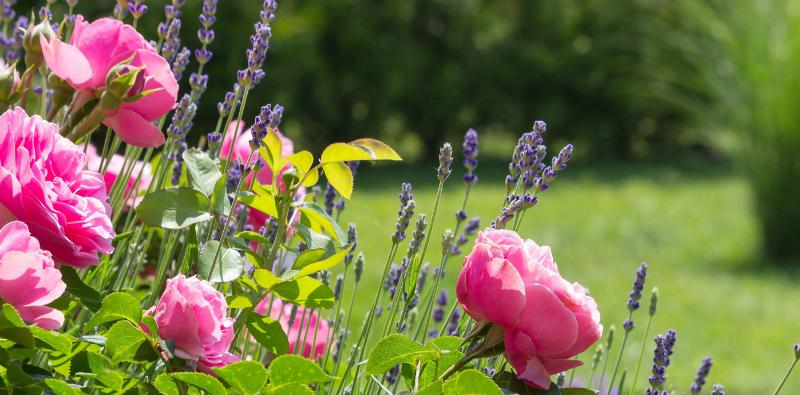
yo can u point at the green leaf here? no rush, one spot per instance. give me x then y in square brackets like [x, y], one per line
[229, 264]
[340, 177]
[294, 369]
[314, 239]
[117, 306]
[342, 152]
[413, 275]
[13, 328]
[263, 202]
[303, 161]
[174, 208]
[377, 149]
[308, 257]
[395, 349]
[219, 200]
[265, 278]
[288, 389]
[88, 297]
[511, 384]
[165, 385]
[324, 264]
[52, 340]
[125, 342]
[448, 346]
[268, 333]
[577, 391]
[202, 381]
[470, 382]
[245, 378]
[434, 388]
[358, 150]
[191, 254]
[13, 317]
[239, 302]
[306, 292]
[61, 388]
[252, 236]
[318, 219]
[203, 171]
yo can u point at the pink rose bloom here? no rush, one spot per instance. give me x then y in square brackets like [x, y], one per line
[113, 170]
[301, 334]
[29, 279]
[241, 152]
[515, 283]
[193, 315]
[93, 50]
[44, 183]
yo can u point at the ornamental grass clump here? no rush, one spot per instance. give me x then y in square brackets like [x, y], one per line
[131, 262]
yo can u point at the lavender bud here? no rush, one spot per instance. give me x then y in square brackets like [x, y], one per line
[445, 162]
[447, 241]
[718, 389]
[337, 288]
[638, 286]
[653, 301]
[359, 267]
[702, 373]
[540, 127]
[461, 215]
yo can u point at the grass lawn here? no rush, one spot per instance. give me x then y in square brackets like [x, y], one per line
[691, 222]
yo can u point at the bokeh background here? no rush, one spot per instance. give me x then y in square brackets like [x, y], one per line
[684, 114]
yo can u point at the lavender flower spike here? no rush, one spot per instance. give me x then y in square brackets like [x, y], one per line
[702, 373]
[636, 293]
[662, 353]
[470, 147]
[445, 162]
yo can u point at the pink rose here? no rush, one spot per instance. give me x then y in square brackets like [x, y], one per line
[44, 183]
[29, 279]
[113, 170]
[515, 284]
[95, 49]
[306, 325]
[193, 315]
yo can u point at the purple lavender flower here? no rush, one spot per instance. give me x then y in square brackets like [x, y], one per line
[352, 239]
[661, 359]
[180, 63]
[330, 195]
[405, 196]
[224, 107]
[445, 162]
[337, 288]
[455, 319]
[137, 8]
[470, 149]
[636, 294]
[702, 373]
[393, 374]
[358, 270]
[172, 40]
[417, 236]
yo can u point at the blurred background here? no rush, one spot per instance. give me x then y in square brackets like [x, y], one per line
[683, 113]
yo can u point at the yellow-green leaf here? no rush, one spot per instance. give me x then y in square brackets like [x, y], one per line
[340, 177]
[265, 278]
[264, 203]
[378, 150]
[341, 152]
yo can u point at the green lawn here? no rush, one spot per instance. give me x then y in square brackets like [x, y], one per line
[692, 223]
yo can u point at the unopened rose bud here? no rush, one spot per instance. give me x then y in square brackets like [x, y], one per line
[125, 81]
[32, 44]
[290, 177]
[9, 81]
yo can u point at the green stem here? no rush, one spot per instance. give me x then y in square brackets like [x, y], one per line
[641, 356]
[785, 377]
[619, 359]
